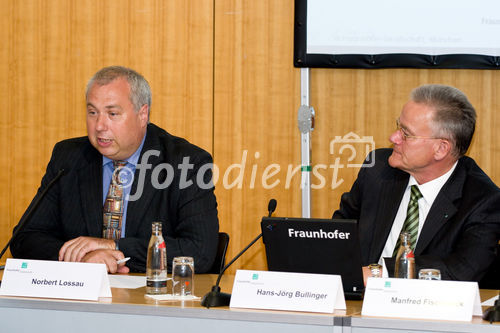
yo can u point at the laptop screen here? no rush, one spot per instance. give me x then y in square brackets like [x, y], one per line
[307, 245]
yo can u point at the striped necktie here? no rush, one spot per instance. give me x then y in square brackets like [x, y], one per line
[113, 206]
[411, 222]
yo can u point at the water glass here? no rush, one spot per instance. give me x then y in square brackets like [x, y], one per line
[182, 276]
[429, 274]
[376, 270]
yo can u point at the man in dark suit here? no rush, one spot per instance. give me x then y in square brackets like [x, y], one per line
[458, 221]
[171, 183]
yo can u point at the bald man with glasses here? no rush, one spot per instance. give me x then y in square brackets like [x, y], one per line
[458, 225]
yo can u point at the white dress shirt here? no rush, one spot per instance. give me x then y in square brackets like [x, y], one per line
[429, 191]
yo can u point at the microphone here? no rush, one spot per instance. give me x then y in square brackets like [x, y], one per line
[215, 297]
[493, 313]
[30, 212]
[271, 206]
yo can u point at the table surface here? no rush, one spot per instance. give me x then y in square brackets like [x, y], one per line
[134, 302]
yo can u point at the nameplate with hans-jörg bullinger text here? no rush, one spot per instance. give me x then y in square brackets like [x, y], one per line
[287, 291]
[55, 279]
[421, 299]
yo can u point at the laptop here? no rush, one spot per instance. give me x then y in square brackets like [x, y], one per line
[307, 245]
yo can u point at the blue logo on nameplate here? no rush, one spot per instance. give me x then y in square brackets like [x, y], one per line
[387, 284]
[24, 265]
[255, 276]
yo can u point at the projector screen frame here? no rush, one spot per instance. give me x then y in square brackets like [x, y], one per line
[373, 61]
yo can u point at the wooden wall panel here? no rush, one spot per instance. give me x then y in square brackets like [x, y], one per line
[256, 99]
[253, 56]
[50, 48]
[222, 76]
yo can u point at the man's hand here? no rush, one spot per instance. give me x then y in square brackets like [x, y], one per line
[108, 257]
[75, 249]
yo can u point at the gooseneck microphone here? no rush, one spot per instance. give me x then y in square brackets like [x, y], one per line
[493, 313]
[215, 297]
[30, 212]
[271, 206]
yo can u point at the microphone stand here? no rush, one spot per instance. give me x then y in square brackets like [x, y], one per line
[215, 297]
[27, 216]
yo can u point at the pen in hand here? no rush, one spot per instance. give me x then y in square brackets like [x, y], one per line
[121, 261]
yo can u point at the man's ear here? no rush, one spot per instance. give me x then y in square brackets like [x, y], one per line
[442, 149]
[144, 114]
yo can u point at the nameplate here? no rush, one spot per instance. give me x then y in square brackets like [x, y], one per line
[55, 279]
[287, 291]
[421, 299]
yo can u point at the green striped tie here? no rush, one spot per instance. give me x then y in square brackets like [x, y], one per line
[411, 222]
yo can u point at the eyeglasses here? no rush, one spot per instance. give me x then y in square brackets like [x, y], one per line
[406, 136]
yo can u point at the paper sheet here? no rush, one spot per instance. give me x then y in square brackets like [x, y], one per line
[126, 281]
[490, 302]
[170, 297]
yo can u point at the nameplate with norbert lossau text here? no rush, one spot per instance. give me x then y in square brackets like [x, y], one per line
[287, 291]
[55, 279]
[421, 299]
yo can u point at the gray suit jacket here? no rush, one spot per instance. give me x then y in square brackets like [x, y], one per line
[462, 228]
[73, 207]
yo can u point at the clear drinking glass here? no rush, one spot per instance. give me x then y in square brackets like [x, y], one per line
[182, 276]
[376, 270]
[429, 274]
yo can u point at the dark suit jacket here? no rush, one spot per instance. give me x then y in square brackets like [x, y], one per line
[73, 207]
[462, 228]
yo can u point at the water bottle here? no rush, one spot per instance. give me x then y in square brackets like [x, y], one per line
[405, 259]
[156, 266]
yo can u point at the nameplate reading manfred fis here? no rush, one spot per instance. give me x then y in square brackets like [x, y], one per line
[421, 299]
[287, 291]
[55, 279]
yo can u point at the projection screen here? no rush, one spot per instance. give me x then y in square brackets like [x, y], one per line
[397, 33]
